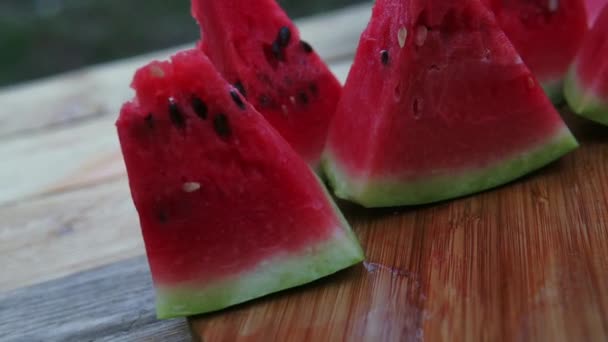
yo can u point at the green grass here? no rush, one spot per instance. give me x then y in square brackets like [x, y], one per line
[44, 37]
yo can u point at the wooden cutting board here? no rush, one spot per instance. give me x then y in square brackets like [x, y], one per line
[527, 261]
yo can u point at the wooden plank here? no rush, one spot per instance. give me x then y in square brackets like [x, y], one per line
[526, 262]
[54, 161]
[58, 235]
[99, 91]
[69, 98]
[113, 303]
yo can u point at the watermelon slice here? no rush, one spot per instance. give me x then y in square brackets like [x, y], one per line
[594, 7]
[437, 105]
[586, 87]
[228, 211]
[258, 49]
[546, 33]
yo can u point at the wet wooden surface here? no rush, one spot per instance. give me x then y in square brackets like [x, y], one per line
[527, 261]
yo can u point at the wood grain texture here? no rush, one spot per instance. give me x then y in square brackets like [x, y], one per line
[80, 155]
[59, 160]
[113, 303]
[95, 92]
[54, 236]
[525, 262]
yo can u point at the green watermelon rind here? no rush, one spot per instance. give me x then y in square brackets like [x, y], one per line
[281, 272]
[438, 188]
[583, 102]
[273, 275]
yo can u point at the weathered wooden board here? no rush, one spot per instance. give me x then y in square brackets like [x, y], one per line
[526, 262]
[54, 236]
[112, 303]
[59, 160]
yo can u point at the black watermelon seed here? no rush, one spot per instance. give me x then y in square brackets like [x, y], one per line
[284, 36]
[307, 48]
[221, 125]
[277, 51]
[384, 57]
[149, 120]
[314, 89]
[303, 98]
[162, 217]
[177, 117]
[239, 86]
[237, 99]
[200, 107]
[264, 101]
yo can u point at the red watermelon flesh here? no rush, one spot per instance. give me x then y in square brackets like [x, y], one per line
[257, 48]
[586, 87]
[594, 7]
[437, 105]
[546, 33]
[228, 211]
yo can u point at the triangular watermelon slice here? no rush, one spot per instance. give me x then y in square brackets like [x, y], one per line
[438, 104]
[228, 211]
[586, 87]
[546, 33]
[257, 48]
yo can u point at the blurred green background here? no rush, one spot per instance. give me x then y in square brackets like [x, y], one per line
[43, 37]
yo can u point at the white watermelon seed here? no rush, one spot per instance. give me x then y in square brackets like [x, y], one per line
[191, 187]
[531, 82]
[518, 60]
[402, 36]
[553, 5]
[292, 99]
[421, 34]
